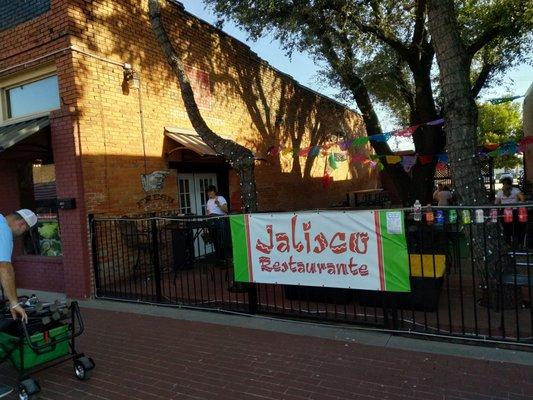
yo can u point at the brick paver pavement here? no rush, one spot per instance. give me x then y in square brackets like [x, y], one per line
[151, 358]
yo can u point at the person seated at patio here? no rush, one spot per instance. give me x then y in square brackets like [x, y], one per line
[514, 233]
[508, 194]
[442, 196]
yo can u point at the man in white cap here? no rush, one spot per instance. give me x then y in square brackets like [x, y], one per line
[12, 226]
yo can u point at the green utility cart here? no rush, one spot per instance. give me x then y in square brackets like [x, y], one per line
[47, 340]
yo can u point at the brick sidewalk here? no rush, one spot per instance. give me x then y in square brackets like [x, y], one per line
[150, 358]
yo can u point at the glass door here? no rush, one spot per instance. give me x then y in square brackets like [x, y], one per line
[193, 200]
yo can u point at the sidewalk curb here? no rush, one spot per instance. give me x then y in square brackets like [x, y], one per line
[323, 331]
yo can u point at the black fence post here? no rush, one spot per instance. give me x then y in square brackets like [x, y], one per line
[394, 311]
[156, 259]
[94, 251]
[252, 298]
[385, 310]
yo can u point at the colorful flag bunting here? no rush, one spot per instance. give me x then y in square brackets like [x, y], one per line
[408, 162]
[440, 166]
[345, 144]
[360, 141]
[304, 152]
[425, 159]
[494, 149]
[314, 152]
[379, 138]
[501, 100]
[436, 122]
[406, 132]
[339, 157]
[358, 158]
[332, 161]
[393, 159]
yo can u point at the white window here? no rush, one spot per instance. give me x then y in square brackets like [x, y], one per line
[28, 95]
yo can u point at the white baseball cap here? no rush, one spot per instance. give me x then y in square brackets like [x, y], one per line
[28, 216]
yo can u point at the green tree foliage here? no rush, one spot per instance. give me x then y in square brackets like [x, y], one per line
[381, 51]
[499, 123]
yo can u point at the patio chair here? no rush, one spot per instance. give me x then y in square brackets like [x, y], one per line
[139, 242]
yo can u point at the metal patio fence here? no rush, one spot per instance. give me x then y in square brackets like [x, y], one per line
[187, 261]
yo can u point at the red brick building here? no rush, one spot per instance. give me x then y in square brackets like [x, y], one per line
[73, 128]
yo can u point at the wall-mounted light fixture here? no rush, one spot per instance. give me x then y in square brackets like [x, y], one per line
[131, 77]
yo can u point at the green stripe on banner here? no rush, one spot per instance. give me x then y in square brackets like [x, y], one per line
[395, 255]
[240, 248]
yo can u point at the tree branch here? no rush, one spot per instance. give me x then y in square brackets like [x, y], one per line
[375, 30]
[483, 39]
[420, 17]
[397, 45]
[482, 78]
[403, 86]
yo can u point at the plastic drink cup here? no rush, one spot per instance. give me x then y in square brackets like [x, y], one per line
[452, 216]
[430, 217]
[508, 215]
[522, 214]
[494, 215]
[466, 217]
[440, 217]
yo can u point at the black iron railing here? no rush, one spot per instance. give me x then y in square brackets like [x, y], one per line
[471, 274]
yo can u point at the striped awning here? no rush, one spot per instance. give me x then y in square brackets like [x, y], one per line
[14, 133]
[189, 140]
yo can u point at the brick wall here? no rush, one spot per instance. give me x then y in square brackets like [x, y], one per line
[16, 12]
[240, 96]
[34, 38]
[37, 42]
[40, 273]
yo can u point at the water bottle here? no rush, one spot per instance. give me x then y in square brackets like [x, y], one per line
[417, 211]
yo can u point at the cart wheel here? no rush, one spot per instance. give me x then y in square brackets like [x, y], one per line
[23, 395]
[83, 367]
[27, 388]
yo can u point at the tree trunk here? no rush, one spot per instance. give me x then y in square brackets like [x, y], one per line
[239, 157]
[428, 140]
[399, 177]
[460, 113]
[459, 107]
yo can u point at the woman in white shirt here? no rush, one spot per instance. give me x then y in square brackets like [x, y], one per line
[508, 194]
[514, 233]
[442, 195]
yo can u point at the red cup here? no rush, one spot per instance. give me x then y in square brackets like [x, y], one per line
[508, 215]
[430, 217]
[494, 215]
[522, 214]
